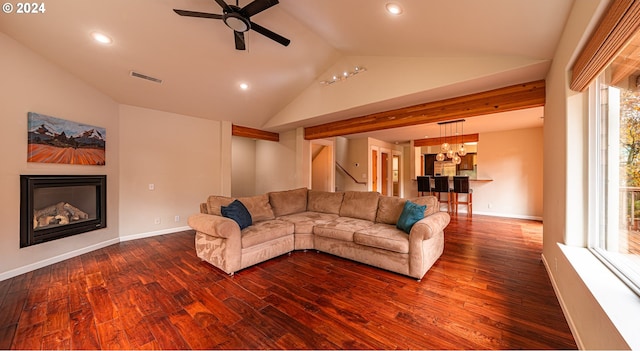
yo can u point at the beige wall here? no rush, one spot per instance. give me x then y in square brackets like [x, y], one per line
[243, 167]
[354, 157]
[185, 158]
[276, 167]
[261, 166]
[513, 160]
[179, 155]
[565, 197]
[30, 83]
[321, 169]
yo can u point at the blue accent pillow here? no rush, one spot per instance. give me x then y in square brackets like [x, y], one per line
[411, 213]
[238, 212]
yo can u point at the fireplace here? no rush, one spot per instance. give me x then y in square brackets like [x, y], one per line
[57, 206]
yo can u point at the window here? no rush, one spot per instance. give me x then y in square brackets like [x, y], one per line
[615, 166]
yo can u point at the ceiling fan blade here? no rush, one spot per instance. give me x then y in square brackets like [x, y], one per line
[269, 34]
[257, 6]
[197, 14]
[239, 37]
[224, 6]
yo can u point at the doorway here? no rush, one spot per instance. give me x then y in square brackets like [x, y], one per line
[322, 165]
[385, 171]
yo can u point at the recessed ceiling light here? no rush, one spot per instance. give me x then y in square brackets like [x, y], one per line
[101, 38]
[394, 9]
[244, 86]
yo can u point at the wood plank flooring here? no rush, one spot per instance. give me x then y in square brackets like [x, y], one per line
[489, 290]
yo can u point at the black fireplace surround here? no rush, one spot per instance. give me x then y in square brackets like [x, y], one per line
[58, 206]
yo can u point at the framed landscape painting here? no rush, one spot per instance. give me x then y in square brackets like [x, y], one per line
[55, 140]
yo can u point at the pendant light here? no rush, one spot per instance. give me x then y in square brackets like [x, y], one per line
[461, 150]
[455, 151]
[450, 150]
[440, 155]
[456, 159]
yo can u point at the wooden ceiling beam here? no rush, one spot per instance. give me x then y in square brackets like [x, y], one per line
[252, 133]
[455, 139]
[511, 98]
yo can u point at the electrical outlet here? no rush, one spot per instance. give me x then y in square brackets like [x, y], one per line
[157, 220]
[152, 187]
[176, 218]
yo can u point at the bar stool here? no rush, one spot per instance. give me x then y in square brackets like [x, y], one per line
[441, 185]
[461, 186]
[424, 184]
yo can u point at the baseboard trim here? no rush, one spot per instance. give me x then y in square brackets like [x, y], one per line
[563, 305]
[507, 215]
[36, 265]
[154, 233]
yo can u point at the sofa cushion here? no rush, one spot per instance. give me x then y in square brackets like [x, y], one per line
[411, 213]
[238, 212]
[360, 204]
[264, 231]
[288, 202]
[324, 201]
[383, 236]
[341, 228]
[389, 209]
[258, 206]
[215, 202]
[305, 221]
[430, 201]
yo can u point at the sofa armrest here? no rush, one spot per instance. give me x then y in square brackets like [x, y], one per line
[426, 243]
[429, 226]
[213, 225]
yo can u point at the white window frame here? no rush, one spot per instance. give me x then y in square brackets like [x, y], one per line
[605, 204]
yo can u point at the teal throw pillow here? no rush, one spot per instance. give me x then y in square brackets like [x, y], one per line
[411, 213]
[238, 212]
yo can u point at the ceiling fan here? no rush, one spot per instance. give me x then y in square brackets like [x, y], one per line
[238, 19]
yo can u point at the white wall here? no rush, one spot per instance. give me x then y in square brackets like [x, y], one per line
[179, 154]
[513, 160]
[30, 83]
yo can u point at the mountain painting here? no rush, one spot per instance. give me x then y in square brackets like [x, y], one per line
[55, 140]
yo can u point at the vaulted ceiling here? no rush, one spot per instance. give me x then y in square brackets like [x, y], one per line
[433, 50]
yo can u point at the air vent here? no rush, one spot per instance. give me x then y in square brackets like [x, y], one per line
[144, 76]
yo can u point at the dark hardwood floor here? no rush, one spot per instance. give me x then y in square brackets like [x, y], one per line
[489, 290]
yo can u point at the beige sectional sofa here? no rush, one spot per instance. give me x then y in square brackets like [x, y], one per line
[356, 225]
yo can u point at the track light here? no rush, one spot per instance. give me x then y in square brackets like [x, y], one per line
[343, 76]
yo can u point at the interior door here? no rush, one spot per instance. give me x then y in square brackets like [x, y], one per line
[384, 173]
[374, 170]
[395, 177]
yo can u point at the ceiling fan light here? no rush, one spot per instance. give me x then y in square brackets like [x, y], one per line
[393, 9]
[236, 22]
[101, 38]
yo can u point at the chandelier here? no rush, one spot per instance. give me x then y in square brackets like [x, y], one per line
[455, 149]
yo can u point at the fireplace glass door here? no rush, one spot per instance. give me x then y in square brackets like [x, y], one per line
[54, 207]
